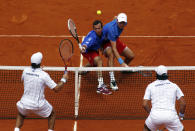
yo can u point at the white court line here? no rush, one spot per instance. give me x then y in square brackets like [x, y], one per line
[79, 84]
[62, 36]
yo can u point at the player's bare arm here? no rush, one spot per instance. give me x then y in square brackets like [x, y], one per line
[113, 43]
[182, 107]
[61, 83]
[146, 105]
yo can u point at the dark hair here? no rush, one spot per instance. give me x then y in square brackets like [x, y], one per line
[162, 77]
[97, 22]
[34, 66]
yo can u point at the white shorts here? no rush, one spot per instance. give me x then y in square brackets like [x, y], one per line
[44, 110]
[169, 119]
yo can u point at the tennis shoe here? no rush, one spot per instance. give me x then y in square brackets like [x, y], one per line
[113, 85]
[102, 89]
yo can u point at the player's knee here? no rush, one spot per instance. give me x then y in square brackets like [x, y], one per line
[21, 115]
[109, 53]
[98, 61]
[52, 115]
[128, 54]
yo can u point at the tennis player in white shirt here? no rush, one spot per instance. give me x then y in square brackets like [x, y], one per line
[163, 94]
[33, 99]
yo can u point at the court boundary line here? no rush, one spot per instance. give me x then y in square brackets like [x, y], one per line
[78, 95]
[127, 36]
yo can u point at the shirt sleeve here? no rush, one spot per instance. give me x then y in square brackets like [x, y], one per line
[147, 95]
[179, 93]
[49, 82]
[88, 42]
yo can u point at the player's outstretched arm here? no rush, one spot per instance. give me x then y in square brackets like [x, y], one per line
[61, 83]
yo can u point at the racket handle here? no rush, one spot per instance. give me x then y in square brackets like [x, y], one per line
[80, 46]
[66, 71]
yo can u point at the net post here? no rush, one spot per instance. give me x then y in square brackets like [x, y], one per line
[76, 94]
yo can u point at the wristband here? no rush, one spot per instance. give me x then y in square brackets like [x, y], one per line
[181, 115]
[63, 80]
[120, 61]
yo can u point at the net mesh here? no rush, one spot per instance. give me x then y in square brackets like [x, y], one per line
[11, 89]
[123, 104]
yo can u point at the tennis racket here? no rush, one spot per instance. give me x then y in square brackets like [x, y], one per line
[66, 51]
[73, 31]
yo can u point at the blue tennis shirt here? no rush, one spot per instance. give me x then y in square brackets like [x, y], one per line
[112, 31]
[93, 41]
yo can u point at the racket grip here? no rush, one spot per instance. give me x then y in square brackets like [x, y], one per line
[80, 46]
[66, 71]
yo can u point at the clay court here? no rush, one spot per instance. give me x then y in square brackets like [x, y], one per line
[158, 32]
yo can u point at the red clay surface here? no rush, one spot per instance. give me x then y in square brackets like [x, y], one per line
[145, 18]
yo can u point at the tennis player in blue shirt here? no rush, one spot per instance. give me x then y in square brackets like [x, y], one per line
[113, 47]
[112, 31]
[90, 50]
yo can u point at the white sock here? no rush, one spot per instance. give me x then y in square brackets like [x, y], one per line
[100, 80]
[111, 73]
[50, 130]
[17, 129]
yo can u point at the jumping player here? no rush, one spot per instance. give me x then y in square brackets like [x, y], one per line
[33, 99]
[163, 94]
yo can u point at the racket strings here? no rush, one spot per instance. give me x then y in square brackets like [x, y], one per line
[66, 50]
[72, 28]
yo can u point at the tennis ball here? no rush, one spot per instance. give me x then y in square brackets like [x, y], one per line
[99, 12]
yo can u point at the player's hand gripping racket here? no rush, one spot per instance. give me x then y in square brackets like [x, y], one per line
[73, 31]
[66, 51]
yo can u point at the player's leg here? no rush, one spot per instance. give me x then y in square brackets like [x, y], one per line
[97, 61]
[174, 124]
[146, 128]
[51, 121]
[152, 123]
[87, 65]
[108, 52]
[22, 112]
[19, 121]
[125, 51]
[128, 54]
[46, 111]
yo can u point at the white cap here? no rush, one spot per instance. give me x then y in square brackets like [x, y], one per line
[161, 70]
[36, 58]
[122, 17]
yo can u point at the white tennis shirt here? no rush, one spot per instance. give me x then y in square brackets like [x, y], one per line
[163, 94]
[35, 81]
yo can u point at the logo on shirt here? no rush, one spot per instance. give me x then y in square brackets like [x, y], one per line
[31, 74]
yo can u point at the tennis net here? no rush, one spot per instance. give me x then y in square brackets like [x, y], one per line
[78, 99]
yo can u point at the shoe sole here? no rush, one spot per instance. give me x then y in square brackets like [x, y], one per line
[114, 89]
[99, 92]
